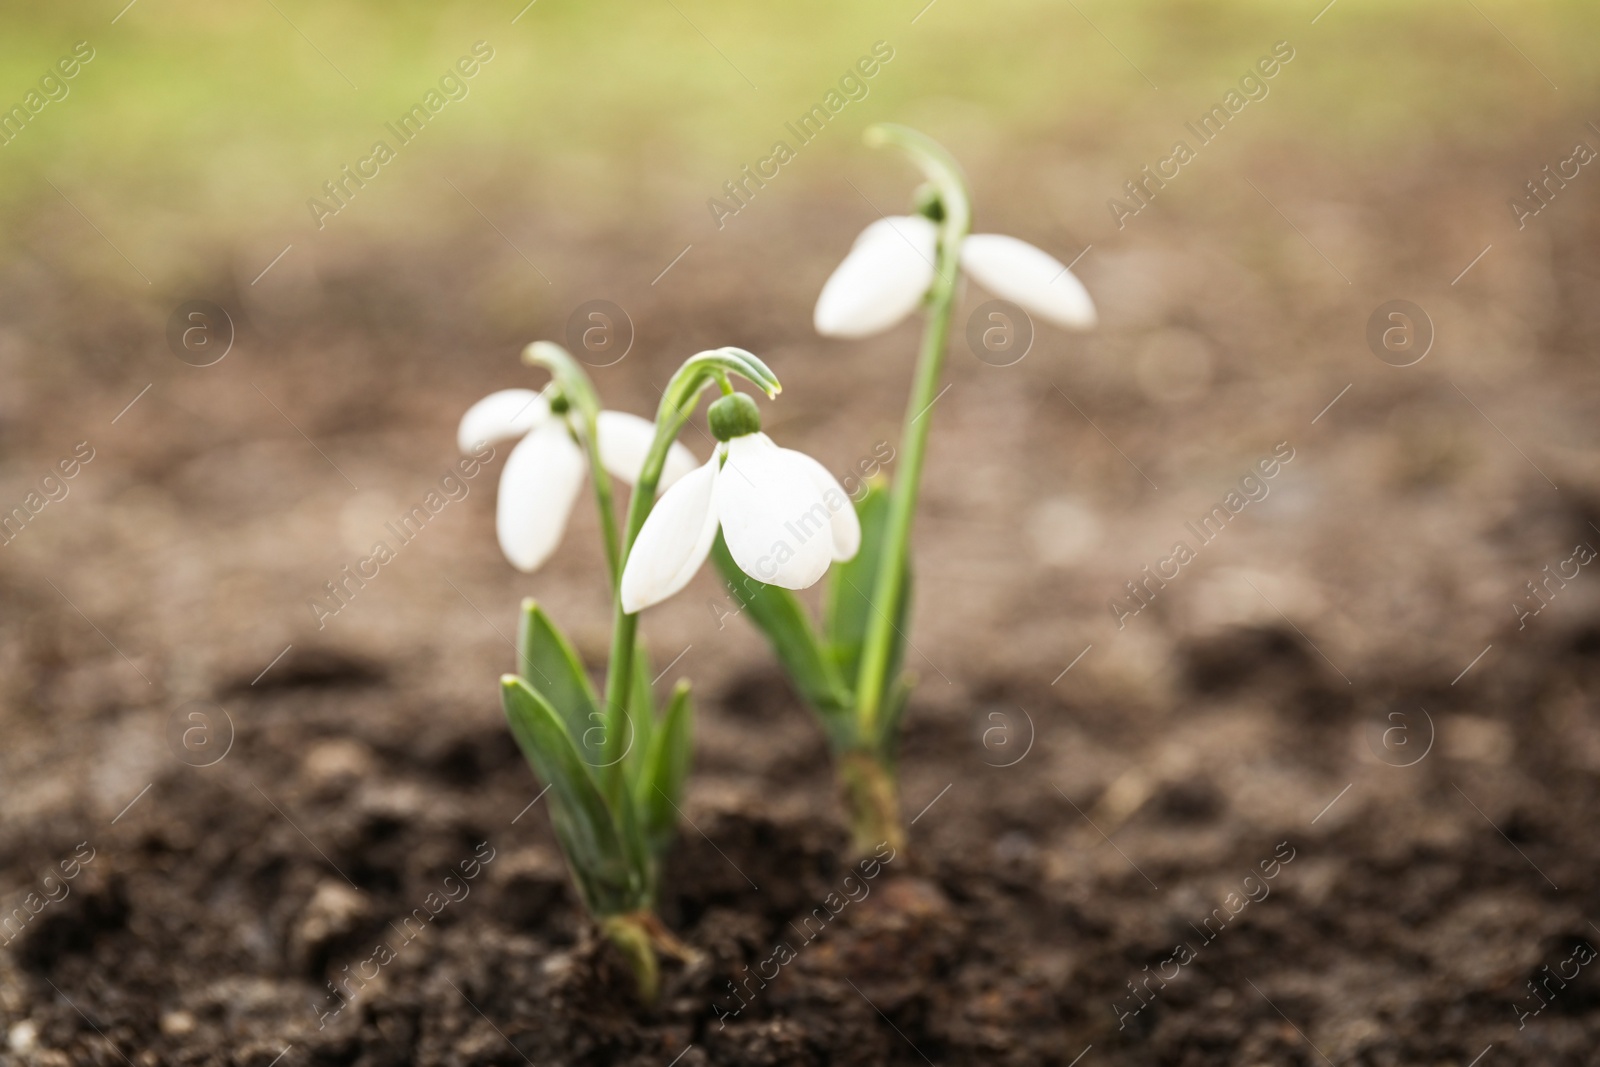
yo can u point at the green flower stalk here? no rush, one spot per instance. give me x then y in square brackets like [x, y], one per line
[614, 768]
[851, 672]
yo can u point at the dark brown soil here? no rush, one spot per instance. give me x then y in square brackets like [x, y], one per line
[1204, 843]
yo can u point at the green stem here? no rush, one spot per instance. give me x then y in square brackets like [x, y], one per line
[677, 404]
[629, 934]
[945, 175]
[625, 627]
[643, 939]
[605, 503]
[873, 801]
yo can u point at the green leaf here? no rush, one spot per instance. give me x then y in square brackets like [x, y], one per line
[897, 645]
[847, 597]
[641, 715]
[894, 710]
[602, 861]
[547, 661]
[631, 831]
[778, 614]
[660, 784]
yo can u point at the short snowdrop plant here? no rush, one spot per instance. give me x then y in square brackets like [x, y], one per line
[612, 766]
[850, 670]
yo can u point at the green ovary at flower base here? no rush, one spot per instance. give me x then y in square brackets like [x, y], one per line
[613, 768]
[850, 671]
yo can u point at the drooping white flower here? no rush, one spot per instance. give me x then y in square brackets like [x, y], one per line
[892, 265]
[783, 516]
[545, 471]
[881, 281]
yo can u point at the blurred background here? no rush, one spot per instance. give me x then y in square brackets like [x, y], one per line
[1402, 622]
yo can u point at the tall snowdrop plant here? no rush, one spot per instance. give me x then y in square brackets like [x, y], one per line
[849, 670]
[613, 767]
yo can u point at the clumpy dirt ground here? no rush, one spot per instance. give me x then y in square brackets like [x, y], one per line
[1320, 801]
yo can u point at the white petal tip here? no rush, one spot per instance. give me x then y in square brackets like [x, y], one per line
[541, 479]
[673, 543]
[1035, 280]
[500, 415]
[882, 279]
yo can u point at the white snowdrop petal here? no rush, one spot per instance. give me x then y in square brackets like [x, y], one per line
[680, 462]
[674, 541]
[541, 480]
[773, 517]
[881, 281]
[1029, 277]
[846, 526]
[625, 442]
[500, 416]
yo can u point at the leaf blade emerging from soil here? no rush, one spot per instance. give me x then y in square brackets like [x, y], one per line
[665, 769]
[547, 661]
[602, 860]
[779, 614]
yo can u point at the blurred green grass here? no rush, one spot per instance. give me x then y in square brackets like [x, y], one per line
[205, 121]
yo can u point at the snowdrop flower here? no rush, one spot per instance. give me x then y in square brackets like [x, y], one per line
[546, 470]
[783, 516]
[891, 267]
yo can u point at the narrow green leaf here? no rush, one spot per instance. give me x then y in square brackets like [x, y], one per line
[894, 710]
[631, 831]
[548, 662]
[902, 622]
[660, 785]
[847, 598]
[641, 715]
[778, 614]
[602, 861]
